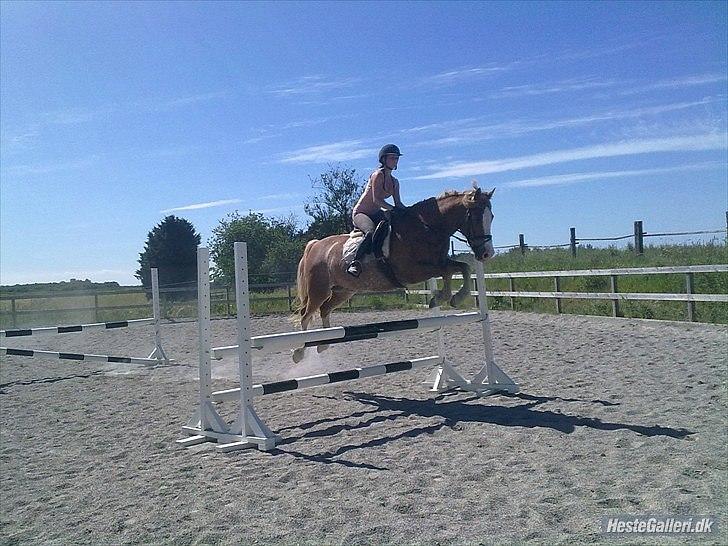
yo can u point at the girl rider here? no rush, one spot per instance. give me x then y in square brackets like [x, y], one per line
[368, 211]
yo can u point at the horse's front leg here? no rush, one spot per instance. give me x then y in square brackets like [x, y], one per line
[464, 292]
[443, 296]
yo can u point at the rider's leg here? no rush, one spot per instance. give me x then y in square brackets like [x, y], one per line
[380, 233]
[364, 223]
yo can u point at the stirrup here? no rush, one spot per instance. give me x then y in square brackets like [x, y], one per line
[354, 268]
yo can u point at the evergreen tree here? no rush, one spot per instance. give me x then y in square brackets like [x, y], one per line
[171, 247]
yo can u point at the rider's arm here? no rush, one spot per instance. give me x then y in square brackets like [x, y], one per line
[395, 193]
[378, 192]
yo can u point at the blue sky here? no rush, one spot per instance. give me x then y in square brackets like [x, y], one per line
[113, 115]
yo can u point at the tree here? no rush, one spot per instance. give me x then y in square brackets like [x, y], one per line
[330, 210]
[171, 247]
[251, 228]
[274, 246]
[285, 248]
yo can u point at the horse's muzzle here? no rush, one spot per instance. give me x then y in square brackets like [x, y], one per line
[483, 252]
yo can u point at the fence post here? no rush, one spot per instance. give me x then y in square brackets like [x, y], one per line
[290, 296]
[557, 288]
[452, 249]
[615, 301]
[522, 244]
[512, 288]
[227, 301]
[572, 237]
[689, 290]
[639, 241]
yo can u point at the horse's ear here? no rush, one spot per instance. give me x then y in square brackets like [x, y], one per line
[490, 193]
[474, 182]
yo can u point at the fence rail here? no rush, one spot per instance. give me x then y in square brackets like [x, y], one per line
[689, 296]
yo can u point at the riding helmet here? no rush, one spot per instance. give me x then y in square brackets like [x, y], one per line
[388, 149]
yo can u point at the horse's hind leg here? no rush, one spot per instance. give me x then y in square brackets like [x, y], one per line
[314, 303]
[338, 297]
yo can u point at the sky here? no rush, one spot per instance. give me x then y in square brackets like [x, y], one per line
[114, 115]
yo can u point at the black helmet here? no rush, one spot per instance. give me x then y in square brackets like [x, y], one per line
[388, 149]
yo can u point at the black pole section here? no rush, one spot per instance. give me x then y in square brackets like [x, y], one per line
[522, 244]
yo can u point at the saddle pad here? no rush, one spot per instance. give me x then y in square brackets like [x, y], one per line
[352, 243]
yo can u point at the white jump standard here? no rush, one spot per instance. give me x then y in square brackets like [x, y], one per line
[249, 430]
[157, 355]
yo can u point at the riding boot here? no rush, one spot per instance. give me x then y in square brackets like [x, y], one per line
[380, 234]
[362, 250]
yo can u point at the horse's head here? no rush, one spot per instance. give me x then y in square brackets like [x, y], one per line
[478, 218]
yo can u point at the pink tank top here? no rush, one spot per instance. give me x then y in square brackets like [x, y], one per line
[366, 204]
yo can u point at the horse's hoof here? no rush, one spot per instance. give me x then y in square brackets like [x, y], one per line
[457, 300]
[298, 355]
[433, 303]
[322, 348]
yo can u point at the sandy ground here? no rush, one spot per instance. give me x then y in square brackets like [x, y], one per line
[615, 416]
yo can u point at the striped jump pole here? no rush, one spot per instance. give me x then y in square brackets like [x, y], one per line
[77, 328]
[343, 334]
[206, 425]
[328, 378]
[76, 356]
[156, 356]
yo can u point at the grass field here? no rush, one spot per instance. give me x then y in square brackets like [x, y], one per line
[77, 307]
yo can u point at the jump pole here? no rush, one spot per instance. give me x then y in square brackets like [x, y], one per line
[249, 430]
[157, 355]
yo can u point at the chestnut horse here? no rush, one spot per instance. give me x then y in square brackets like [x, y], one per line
[418, 250]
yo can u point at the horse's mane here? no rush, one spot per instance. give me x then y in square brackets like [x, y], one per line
[446, 193]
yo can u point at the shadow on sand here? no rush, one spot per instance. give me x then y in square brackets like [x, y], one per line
[453, 413]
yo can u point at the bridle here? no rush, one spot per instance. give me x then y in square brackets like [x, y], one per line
[477, 240]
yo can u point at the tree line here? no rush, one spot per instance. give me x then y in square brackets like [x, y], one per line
[275, 245]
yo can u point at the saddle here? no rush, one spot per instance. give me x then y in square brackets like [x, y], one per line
[377, 245]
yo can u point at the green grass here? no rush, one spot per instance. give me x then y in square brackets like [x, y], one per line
[611, 258]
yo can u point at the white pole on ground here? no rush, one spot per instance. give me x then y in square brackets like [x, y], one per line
[204, 334]
[158, 351]
[242, 300]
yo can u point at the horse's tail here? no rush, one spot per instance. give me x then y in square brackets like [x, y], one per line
[302, 284]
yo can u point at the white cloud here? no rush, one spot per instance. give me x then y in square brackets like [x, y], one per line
[311, 85]
[686, 81]
[51, 168]
[338, 151]
[463, 134]
[460, 74]
[207, 205]
[273, 196]
[188, 100]
[562, 179]
[576, 84]
[710, 141]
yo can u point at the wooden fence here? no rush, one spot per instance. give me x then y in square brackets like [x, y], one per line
[689, 297]
[224, 297]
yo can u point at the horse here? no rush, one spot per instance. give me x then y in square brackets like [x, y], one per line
[418, 250]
